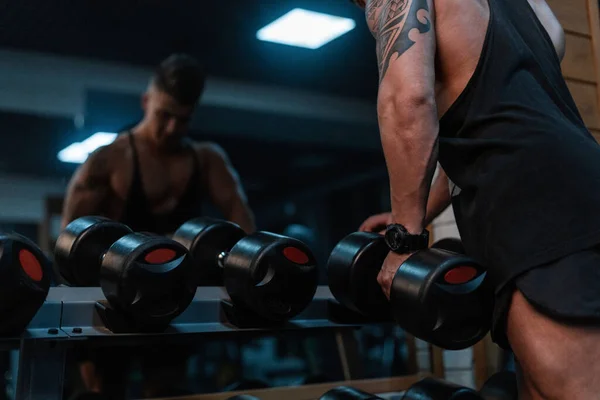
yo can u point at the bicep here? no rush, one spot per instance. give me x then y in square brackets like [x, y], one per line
[222, 179]
[87, 192]
[405, 40]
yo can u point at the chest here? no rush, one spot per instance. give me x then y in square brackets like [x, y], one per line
[163, 180]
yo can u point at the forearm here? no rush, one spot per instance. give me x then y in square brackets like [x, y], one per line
[439, 197]
[81, 205]
[240, 213]
[409, 139]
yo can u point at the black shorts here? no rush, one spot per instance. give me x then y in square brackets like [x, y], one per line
[566, 290]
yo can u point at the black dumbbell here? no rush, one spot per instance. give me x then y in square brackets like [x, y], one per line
[24, 282]
[451, 244]
[437, 389]
[149, 278]
[438, 296]
[500, 386]
[348, 393]
[272, 275]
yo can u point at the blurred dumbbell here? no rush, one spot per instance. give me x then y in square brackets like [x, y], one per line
[438, 296]
[272, 275]
[437, 389]
[24, 282]
[149, 278]
[500, 386]
[348, 393]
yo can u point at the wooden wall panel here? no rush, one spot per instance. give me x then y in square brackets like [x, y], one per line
[572, 14]
[586, 98]
[581, 65]
[594, 23]
[579, 59]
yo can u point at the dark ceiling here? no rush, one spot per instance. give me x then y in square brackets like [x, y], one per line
[222, 34]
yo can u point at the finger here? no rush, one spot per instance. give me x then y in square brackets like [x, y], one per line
[374, 223]
[386, 292]
[366, 228]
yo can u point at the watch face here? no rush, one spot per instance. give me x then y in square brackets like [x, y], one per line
[395, 237]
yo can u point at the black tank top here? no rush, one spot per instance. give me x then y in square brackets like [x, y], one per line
[524, 169]
[137, 214]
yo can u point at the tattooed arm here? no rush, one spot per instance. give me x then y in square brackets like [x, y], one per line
[405, 38]
[90, 189]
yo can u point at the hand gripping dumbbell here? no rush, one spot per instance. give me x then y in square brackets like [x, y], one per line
[148, 278]
[273, 276]
[437, 295]
[24, 282]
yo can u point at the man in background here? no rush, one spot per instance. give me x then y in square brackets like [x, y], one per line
[153, 178]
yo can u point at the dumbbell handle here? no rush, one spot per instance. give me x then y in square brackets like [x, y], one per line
[221, 259]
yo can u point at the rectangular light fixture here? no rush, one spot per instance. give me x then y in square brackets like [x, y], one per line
[78, 152]
[305, 28]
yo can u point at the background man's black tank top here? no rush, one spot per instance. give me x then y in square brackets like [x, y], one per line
[525, 170]
[137, 213]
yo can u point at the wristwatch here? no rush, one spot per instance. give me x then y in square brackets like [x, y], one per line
[400, 241]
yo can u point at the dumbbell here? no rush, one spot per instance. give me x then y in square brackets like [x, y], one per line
[500, 386]
[451, 244]
[437, 389]
[24, 282]
[149, 278]
[348, 393]
[272, 275]
[437, 295]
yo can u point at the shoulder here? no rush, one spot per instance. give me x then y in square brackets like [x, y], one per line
[106, 158]
[210, 151]
[208, 148]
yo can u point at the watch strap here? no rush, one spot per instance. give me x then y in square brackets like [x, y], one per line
[408, 243]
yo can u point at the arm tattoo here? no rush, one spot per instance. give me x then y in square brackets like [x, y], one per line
[372, 13]
[396, 26]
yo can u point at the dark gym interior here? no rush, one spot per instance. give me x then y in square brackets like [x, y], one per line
[300, 128]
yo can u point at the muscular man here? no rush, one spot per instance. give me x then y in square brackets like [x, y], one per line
[152, 177]
[477, 86]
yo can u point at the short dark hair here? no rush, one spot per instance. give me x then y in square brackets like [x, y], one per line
[182, 77]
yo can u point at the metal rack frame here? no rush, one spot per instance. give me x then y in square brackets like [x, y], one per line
[70, 316]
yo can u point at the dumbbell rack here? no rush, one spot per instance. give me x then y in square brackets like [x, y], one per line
[70, 316]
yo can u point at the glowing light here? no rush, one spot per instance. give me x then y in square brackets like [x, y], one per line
[78, 152]
[303, 28]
